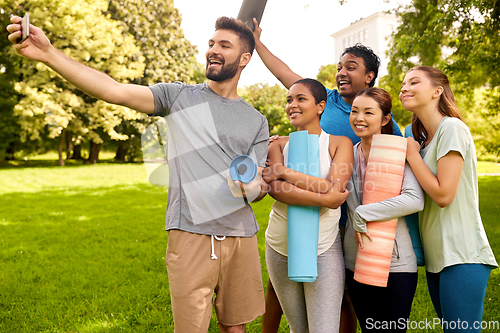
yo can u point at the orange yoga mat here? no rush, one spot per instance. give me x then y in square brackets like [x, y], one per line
[383, 180]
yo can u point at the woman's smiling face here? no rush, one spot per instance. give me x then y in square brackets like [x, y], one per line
[366, 117]
[417, 90]
[301, 107]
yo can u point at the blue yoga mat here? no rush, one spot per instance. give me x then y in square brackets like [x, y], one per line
[243, 168]
[412, 223]
[303, 221]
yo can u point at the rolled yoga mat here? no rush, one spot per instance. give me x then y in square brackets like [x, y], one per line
[303, 221]
[383, 180]
[250, 9]
[243, 168]
[413, 229]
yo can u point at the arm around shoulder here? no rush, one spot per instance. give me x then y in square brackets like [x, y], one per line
[293, 188]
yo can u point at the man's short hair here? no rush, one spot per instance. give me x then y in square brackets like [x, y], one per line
[241, 29]
[372, 61]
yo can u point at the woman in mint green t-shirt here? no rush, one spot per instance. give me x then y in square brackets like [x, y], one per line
[457, 254]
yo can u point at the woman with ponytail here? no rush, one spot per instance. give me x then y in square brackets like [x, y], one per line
[458, 257]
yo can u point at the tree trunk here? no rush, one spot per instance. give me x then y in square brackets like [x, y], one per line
[95, 148]
[69, 145]
[10, 151]
[77, 152]
[121, 152]
[62, 138]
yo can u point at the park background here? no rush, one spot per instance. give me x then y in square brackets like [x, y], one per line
[82, 246]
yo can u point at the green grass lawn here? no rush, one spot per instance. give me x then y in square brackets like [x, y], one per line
[488, 167]
[82, 250]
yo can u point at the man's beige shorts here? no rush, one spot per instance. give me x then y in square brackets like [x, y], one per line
[235, 277]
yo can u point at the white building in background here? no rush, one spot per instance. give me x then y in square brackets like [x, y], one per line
[374, 31]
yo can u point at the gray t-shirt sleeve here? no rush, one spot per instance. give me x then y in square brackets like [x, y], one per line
[410, 200]
[165, 95]
[261, 143]
[453, 136]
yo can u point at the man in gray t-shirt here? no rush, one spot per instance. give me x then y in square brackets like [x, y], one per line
[212, 245]
[205, 131]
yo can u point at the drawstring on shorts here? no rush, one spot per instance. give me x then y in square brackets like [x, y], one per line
[213, 256]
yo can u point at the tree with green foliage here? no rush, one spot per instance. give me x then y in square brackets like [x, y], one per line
[133, 41]
[326, 75]
[461, 38]
[156, 27]
[9, 127]
[417, 40]
[270, 101]
[168, 56]
[49, 105]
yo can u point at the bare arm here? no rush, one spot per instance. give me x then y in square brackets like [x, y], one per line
[277, 171]
[293, 195]
[308, 190]
[264, 188]
[279, 69]
[443, 188]
[92, 82]
[342, 160]
[299, 179]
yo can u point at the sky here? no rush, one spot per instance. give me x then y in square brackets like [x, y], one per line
[297, 31]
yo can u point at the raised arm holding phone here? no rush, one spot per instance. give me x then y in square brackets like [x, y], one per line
[209, 225]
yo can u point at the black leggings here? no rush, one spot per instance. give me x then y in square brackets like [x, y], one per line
[383, 308]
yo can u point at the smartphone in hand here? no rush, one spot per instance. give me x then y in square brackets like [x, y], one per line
[25, 28]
